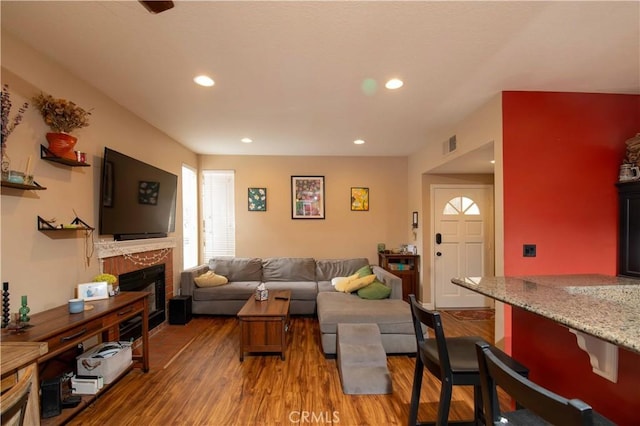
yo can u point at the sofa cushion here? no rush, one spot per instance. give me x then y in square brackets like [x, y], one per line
[331, 268]
[375, 291]
[393, 316]
[237, 268]
[288, 269]
[300, 290]
[237, 290]
[210, 279]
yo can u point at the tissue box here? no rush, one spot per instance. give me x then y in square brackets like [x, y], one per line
[262, 294]
[97, 362]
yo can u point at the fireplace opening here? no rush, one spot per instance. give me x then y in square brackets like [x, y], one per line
[150, 279]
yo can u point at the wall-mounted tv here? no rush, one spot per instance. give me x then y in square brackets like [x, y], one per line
[137, 200]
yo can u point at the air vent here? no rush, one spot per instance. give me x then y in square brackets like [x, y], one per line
[449, 145]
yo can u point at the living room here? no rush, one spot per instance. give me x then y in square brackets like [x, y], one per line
[539, 163]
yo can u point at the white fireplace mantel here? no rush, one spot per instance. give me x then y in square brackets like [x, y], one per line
[110, 248]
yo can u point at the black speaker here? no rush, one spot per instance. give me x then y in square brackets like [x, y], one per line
[51, 402]
[180, 310]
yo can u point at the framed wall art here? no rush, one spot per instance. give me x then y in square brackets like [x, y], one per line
[257, 198]
[307, 197]
[359, 199]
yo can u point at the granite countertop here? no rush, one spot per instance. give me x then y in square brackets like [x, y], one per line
[603, 306]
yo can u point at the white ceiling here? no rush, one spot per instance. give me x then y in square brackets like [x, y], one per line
[289, 75]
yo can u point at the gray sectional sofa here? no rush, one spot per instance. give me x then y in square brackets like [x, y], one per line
[311, 293]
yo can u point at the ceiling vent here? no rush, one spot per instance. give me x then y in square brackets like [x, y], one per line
[449, 145]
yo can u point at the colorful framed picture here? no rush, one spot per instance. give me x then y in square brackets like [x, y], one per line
[359, 199]
[93, 291]
[307, 197]
[257, 199]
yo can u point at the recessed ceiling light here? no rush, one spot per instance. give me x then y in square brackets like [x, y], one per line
[493, 161]
[358, 141]
[204, 80]
[246, 140]
[394, 83]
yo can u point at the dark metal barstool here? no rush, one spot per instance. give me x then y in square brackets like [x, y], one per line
[453, 360]
[542, 405]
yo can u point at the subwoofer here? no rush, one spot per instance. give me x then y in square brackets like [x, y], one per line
[180, 310]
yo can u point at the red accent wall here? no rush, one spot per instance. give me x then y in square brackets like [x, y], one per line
[561, 154]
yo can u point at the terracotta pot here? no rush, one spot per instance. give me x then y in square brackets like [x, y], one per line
[61, 144]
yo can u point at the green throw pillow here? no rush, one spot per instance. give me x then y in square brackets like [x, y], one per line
[375, 290]
[364, 271]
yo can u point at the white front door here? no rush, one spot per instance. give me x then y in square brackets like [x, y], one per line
[461, 242]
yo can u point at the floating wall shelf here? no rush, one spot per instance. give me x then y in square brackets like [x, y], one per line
[45, 154]
[76, 224]
[35, 187]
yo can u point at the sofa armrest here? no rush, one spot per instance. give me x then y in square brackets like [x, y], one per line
[187, 277]
[390, 280]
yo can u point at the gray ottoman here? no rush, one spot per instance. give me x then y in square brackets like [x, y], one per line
[362, 361]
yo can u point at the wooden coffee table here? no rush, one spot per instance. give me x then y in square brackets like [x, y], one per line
[263, 325]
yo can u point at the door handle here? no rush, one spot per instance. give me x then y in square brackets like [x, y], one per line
[438, 254]
[438, 238]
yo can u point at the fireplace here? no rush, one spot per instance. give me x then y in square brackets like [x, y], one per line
[151, 279]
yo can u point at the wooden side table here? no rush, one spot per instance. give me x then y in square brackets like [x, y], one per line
[404, 266]
[264, 324]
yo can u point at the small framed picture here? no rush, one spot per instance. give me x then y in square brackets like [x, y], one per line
[359, 199]
[257, 199]
[93, 291]
[307, 197]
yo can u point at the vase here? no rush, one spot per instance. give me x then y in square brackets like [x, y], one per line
[61, 145]
[24, 311]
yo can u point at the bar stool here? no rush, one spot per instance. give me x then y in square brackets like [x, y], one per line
[541, 405]
[453, 360]
[14, 401]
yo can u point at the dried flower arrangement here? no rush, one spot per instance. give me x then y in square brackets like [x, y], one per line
[9, 125]
[61, 115]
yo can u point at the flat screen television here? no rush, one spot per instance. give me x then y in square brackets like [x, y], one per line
[137, 200]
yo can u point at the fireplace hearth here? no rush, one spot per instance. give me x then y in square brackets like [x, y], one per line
[151, 279]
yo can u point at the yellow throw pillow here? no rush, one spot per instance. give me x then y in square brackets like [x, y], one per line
[210, 279]
[357, 283]
[341, 283]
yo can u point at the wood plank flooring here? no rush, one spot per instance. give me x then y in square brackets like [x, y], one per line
[196, 378]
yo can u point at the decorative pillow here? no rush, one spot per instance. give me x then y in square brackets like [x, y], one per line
[364, 271]
[375, 290]
[358, 283]
[337, 280]
[341, 284]
[210, 279]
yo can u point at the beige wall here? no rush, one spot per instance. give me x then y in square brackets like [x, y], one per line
[343, 233]
[47, 267]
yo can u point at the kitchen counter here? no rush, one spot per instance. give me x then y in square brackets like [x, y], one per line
[603, 306]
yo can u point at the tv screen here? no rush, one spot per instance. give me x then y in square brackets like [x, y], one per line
[137, 200]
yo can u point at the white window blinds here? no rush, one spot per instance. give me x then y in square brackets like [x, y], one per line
[218, 213]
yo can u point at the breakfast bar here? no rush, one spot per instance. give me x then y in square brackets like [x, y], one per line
[602, 306]
[553, 320]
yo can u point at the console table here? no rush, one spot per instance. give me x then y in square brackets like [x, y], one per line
[63, 331]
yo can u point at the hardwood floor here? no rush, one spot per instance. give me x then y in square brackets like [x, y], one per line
[196, 378]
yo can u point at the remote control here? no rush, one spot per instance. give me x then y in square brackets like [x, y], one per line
[282, 298]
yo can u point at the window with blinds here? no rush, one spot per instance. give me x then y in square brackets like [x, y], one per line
[218, 213]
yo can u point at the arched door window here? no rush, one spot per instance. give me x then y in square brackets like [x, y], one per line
[461, 205]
